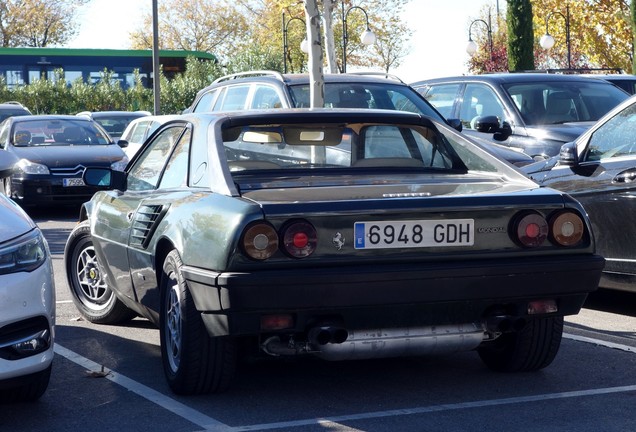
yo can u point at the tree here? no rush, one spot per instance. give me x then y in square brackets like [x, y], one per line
[520, 35]
[485, 60]
[227, 28]
[633, 22]
[37, 23]
[600, 33]
[216, 26]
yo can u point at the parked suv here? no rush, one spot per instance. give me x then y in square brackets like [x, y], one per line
[535, 112]
[271, 89]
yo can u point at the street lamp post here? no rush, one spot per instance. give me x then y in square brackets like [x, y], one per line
[471, 48]
[547, 41]
[303, 45]
[367, 37]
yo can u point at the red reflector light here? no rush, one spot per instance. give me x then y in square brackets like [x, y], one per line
[531, 230]
[276, 322]
[542, 307]
[299, 239]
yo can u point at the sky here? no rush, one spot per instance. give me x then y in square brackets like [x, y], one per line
[437, 48]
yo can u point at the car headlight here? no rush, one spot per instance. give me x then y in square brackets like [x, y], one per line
[26, 253]
[28, 167]
[120, 165]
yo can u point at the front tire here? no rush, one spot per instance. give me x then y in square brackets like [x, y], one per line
[532, 348]
[93, 298]
[193, 361]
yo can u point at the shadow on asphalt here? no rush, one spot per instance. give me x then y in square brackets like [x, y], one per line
[614, 301]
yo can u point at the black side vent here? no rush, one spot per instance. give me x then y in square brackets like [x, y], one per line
[145, 223]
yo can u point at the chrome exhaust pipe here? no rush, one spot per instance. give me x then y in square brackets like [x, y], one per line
[327, 334]
[402, 342]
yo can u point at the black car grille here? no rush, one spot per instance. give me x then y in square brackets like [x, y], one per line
[76, 171]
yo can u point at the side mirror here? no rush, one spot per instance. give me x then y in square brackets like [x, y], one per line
[105, 178]
[122, 143]
[568, 155]
[455, 124]
[487, 124]
[7, 162]
[504, 132]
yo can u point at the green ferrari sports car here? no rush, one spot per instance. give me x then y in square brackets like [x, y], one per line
[340, 233]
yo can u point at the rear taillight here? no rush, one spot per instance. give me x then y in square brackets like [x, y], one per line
[260, 241]
[299, 239]
[531, 230]
[566, 228]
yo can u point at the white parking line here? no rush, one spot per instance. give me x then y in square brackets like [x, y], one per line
[211, 424]
[600, 342]
[160, 399]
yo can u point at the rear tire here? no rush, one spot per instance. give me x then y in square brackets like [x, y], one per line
[532, 348]
[193, 361]
[93, 298]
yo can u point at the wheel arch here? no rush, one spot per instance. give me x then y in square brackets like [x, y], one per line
[164, 246]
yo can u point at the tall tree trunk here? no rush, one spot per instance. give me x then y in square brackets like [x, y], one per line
[316, 78]
[330, 46]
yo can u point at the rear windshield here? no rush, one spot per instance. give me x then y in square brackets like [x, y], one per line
[6, 113]
[353, 146]
[367, 95]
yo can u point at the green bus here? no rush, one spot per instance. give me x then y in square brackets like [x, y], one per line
[20, 66]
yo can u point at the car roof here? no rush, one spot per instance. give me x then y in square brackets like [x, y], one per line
[308, 116]
[300, 79]
[113, 113]
[500, 78]
[50, 117]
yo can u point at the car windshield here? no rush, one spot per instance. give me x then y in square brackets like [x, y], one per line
[57, 132]
[367, 95]
[354, 146]
[114, 124]
[541, 103]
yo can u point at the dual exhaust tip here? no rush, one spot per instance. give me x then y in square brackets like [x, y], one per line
[328, 334]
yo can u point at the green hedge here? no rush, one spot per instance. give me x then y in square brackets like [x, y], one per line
[55, 96]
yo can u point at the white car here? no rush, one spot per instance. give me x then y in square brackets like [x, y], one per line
[139, 130]
[27, 302]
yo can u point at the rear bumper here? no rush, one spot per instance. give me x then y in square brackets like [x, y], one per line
[404, 295]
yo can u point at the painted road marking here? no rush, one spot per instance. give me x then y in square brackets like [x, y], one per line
[213, 425]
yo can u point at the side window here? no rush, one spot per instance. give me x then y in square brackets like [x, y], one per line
[402, 103]
[138, 133]
[442, 97]
[146, 172]
[265, 97]
[479, 100]
[207, 101]
[615, 138]
[234, 98]
[176, 173]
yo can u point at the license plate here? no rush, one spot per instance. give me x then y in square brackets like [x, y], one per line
[414, 233]
[72, 182]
